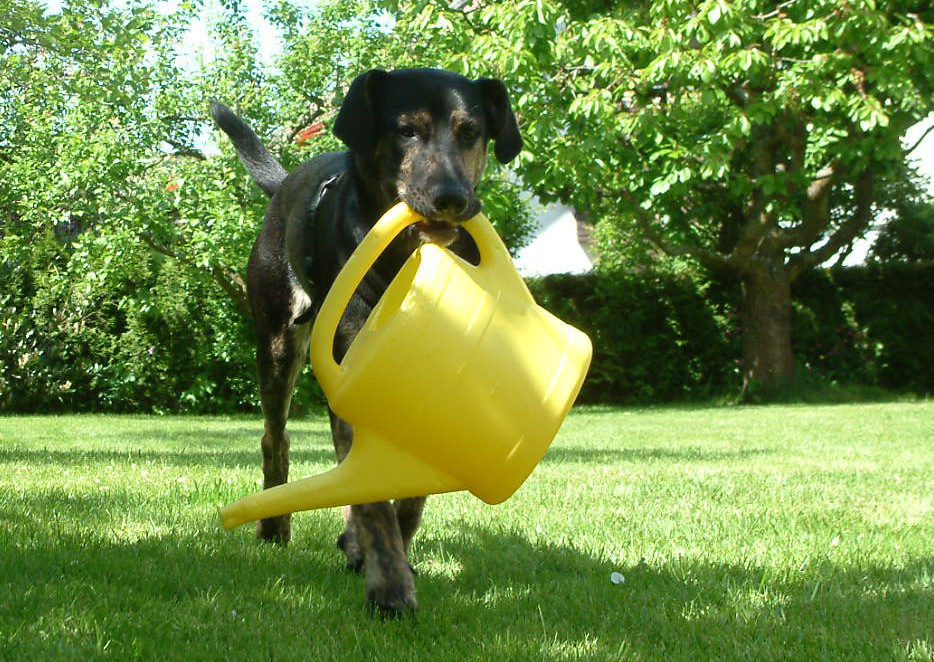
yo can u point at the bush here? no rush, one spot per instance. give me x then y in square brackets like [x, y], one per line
[893, 305]
[656, 337]
[662, 336]
[81, 331]
[829, 344]
[868, 325]
[144, 335]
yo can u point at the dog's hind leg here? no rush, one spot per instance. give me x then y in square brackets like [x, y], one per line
[281, 353]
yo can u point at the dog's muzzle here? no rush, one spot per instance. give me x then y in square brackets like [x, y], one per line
[443, 215]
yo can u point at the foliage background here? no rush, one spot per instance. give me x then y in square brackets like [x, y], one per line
[664, 336]
[123, 241]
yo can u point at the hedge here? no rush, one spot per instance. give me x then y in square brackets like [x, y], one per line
[664, 337]
[658, 337]
[870, 324]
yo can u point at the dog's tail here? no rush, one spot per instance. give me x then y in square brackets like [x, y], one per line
[262, 166]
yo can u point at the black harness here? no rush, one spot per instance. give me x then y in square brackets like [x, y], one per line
[312, 231]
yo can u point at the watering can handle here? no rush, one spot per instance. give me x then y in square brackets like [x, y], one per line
[493, 254]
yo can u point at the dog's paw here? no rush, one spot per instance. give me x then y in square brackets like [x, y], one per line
[391, 593]
[352, 552]
[391, 601]
[276, 530]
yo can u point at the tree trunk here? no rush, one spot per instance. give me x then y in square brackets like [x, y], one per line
[768, 360]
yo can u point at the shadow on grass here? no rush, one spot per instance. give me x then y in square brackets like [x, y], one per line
[211, 595]
[165, 598]
[565, 601]
[316, 449]
[202, 444]
[177, 432]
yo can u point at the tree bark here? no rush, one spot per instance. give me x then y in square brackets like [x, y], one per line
[768, 360]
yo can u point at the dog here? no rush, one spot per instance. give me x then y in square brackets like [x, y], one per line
[416, 135]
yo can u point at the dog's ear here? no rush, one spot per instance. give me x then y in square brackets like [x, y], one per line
[355, 124]
[502, 121]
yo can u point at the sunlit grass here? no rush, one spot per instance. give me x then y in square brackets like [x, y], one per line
[767, 533]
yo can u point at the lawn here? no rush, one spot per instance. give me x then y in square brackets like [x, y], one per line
[739, 533]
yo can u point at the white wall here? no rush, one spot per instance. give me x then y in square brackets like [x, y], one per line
[555, 248]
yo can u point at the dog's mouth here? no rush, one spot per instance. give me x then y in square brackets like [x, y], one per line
[440, 226]
[442, 233]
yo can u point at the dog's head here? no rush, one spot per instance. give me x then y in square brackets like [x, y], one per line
[421, 135]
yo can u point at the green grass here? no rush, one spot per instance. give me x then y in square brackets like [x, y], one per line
[759, 533]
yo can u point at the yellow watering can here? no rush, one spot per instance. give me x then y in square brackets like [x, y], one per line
[458, 380]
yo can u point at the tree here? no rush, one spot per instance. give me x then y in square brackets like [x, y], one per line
[96, 145]
[752, 135]
[909, 235]
[123, 240]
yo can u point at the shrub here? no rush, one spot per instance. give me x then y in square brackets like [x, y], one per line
[655, 336]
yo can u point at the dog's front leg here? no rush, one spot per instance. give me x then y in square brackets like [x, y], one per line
[374, 540]
[390, 582]
[409, 514]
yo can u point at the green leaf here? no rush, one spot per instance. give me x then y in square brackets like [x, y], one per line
[660, 187]
[714, 14]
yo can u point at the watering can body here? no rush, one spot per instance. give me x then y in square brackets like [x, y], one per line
[458, 380]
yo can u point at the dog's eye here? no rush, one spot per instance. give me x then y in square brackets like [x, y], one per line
[408, 130]
[468, 133]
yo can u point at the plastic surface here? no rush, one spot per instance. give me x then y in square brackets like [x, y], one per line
[458, 379]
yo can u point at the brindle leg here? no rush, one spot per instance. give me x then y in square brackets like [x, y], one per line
[409, 514]
[342, 434]
[390, 582]
[373, 541]
[280, 357]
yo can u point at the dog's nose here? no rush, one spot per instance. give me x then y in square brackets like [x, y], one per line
[450, 202]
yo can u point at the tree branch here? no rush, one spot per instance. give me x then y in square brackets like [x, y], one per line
[757, 224]
[229, 280]
[816, 211]
[185, 151]
[779, 8]
[646, 223]
[150, 241]
[920, 140]
[757, 220]
[306, 119]
[183, 118]
[848, 231]
[461, 10]
[233, 284]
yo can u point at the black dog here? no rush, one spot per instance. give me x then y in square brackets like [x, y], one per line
[418, 135]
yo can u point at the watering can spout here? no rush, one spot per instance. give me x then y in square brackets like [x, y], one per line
[374, 470]
[458, 380]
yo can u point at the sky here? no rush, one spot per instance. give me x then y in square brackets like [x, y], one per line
[924, 155]
[197, 41]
